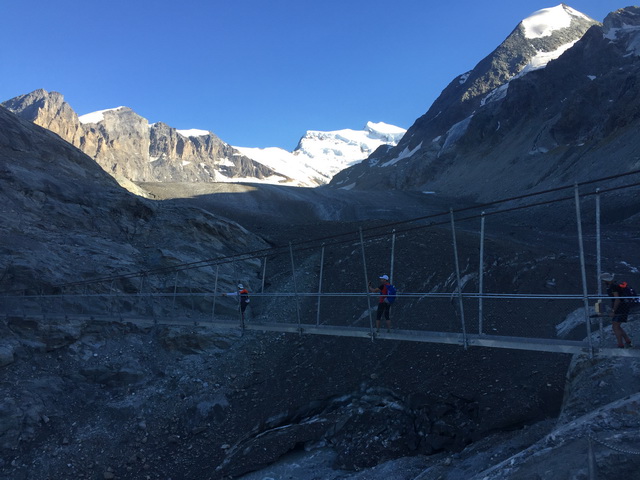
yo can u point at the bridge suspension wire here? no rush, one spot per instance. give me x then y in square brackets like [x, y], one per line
[498, 212]
[348, 237]
[480, 207]
[282, 249]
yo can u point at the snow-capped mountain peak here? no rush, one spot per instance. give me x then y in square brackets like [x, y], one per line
[465, 103]
[548, 20]
[320, 155]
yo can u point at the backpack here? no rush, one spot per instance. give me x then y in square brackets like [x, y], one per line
[628, 291]
[391, 293]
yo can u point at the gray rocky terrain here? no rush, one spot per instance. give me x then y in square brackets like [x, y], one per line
[107, 399]
[111, 366]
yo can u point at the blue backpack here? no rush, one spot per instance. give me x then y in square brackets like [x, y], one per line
[391, 293]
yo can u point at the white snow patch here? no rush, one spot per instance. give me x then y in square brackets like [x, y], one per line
[543, 58]
[97, 117]
[631, 268]
[348, 187]
[548, 20]
[591, 77]
[456, 131]
[193, 132]
[404, 154]
[538, 150]
[616, 33]
[538, 61]
[286, 163]
[225, 162]
[495, 94]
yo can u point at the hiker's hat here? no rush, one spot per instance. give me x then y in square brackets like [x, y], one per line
[240, 286]
[384, 277]
[606, 277]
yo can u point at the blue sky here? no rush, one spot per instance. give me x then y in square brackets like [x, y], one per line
[257, 73]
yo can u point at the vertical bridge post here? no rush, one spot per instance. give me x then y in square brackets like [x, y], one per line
[481, 276]
[295, 286]
[366, 282]
[393, 255]
[457, 263]
[320, 285]
[585, 295]
[215, 296]
[599, 261]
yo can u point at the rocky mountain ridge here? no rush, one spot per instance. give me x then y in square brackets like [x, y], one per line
[566, 122]
[132, 150]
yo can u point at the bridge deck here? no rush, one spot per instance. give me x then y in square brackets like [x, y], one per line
[472, 340]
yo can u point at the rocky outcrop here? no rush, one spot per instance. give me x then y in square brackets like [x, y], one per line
[120, 144]
[49, 110]
[202, 158]
[365, 428]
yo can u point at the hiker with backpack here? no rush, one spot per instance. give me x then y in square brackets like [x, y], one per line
[243, 293]
[619, 308]
[387, 297]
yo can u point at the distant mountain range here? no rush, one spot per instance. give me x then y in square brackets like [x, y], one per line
[132, 150]
[556, 103]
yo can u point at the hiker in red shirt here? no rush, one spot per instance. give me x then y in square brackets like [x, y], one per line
[243, 293]
[384, 305]
[619, 309]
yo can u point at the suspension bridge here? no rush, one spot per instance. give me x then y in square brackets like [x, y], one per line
[162, 297]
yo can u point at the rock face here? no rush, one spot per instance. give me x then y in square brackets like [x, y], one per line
[175, 157]
[130, 149]
[49, 110]
[64, 218]
[510, 126]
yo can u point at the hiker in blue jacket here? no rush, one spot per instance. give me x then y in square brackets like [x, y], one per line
[384, 305]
